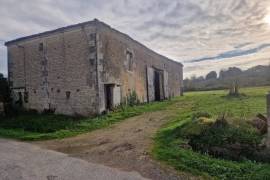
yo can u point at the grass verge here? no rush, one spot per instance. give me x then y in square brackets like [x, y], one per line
[32, 127]
[169, 145]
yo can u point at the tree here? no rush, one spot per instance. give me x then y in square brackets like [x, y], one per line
[230, 73]
[211, 75]
[234, 89]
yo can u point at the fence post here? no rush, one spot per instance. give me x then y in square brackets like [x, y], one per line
[268, 119]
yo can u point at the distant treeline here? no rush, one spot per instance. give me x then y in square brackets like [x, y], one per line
[255, 76]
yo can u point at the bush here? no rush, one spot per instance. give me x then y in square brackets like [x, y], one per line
[132, 99]
[40, 123]
[261, 156]
[198, 115]
[223, 140]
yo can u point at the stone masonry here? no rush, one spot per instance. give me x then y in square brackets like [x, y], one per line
[86, 69]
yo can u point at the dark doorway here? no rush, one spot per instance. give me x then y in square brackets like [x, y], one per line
[108, 88]
[157, 85]
[19, 102]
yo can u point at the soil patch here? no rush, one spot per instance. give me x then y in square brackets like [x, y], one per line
[125, 145]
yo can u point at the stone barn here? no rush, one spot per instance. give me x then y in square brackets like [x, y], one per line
[86, 69]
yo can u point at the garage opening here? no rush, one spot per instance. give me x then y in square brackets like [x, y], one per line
[157, 86]
[157, 83]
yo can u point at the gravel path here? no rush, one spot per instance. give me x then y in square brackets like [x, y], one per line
[22, 161]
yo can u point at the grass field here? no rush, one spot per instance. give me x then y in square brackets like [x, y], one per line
[168, 143]
[32, 127]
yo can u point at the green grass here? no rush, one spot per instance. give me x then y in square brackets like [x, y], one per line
[168, 145]
[31, 127]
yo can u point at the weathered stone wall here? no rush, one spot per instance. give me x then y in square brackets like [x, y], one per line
[115, 70]
[268, 121]
[66, 65]
[66, 70]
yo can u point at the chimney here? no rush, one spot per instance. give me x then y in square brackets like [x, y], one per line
[268, 120]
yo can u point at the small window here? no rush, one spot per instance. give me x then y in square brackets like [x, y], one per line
[44, 63]
[67, 94]
[129, 60]
[92, 36]
[92, 49]
[44, 73]
[92, 61]
[40, 47]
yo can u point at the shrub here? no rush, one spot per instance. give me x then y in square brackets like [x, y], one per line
[39, 123]
[223, 140]
[132, 99]
[198, 115]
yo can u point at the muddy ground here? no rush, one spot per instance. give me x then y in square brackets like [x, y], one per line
[125, 145]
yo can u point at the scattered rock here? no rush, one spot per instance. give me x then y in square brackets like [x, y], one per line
[137, 130]
[262, 117]
[122, 147]
[105, 141]
[101, 152]
[263, 143]
[260, 125]
[145, 153]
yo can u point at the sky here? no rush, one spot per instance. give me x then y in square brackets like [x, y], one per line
[204, 35]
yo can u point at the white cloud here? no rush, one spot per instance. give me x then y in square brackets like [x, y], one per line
[180, 29]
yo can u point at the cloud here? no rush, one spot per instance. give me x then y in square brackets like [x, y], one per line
[234, 53]
[238, 46]
[196, 32]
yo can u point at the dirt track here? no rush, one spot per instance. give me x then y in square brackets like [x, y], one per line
[125, 146]
[23, 161]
